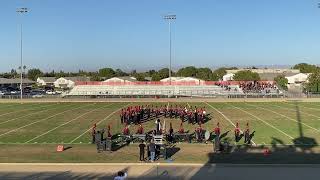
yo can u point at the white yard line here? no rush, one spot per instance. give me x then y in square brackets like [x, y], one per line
[8, 105]
[264, 143]
[289, 118]
[11, 106]
[230, 121]
[303, 106]
[24, 110]
[263, 121]
[65, 123]
[98, 123]
[317, 105]
[30, 114]
[308, 114]
[41, 120]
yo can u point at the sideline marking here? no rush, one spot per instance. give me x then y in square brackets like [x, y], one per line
[41, 120]
[263, 121]
[289, 118]
[308, 114]
[226, 119]
[28, 114]
[301, 106]
[98, 123]
[66, 123]
[18, 110]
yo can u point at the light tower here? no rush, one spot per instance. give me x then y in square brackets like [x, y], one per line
[170, 18]
[21, 11]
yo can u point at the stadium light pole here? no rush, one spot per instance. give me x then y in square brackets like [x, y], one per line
[21, 11]
[170, 18]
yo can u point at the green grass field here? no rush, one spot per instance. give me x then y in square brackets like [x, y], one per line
[69, 123]
[41, 124]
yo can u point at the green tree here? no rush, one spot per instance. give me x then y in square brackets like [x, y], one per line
[282, 81]
[120, 73]
[140, 77]
[13, 73]
[204, 74]
[61, 74]
[305, 68]
[163, 73]
[189, 71]
[50, 74]
[246, 75]
[95, 76]
[219, 73]
[313, 84]
[151, 73]
[107, 73]
[82, 73]
[34, 73]
[156, 77]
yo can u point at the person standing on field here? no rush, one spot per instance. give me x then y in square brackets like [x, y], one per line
[142, 146]
[152, 149]
[237, 132]
[93, 134]
[247, 135]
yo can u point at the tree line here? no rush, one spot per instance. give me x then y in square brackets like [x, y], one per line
[203, 73]
[106, 73]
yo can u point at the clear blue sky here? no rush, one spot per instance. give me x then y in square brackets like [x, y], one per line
[129, 34]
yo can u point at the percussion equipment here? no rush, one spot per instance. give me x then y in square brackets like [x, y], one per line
[139, 136]
[182, 137]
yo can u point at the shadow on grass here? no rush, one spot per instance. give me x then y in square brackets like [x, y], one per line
[66, 148]
[300, 151]
[172, 151]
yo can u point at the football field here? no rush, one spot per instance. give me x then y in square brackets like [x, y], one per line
[69, 123]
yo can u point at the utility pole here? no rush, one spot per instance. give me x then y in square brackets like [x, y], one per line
[170, 18]
[21, 11]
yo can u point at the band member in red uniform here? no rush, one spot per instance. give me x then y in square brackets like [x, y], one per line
[140, 129]
[217, 130]
[237, 132]
[126, 130]
[109, 131]
[93, 133]
[217, 138]
[181, 130]
[247, 135]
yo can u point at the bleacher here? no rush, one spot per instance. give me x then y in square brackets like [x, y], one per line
[154, 90]
[178, 89]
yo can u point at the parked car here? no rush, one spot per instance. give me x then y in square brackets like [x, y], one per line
[14, 92]
[51, 92]
[37, 96]
[59, 92]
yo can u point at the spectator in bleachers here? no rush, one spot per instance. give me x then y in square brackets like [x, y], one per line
[257, 87]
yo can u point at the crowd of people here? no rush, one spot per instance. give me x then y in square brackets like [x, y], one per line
[137, 115]
[257, 87]
[140, 114]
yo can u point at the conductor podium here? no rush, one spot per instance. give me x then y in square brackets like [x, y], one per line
[158, 139]
[160, 146]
